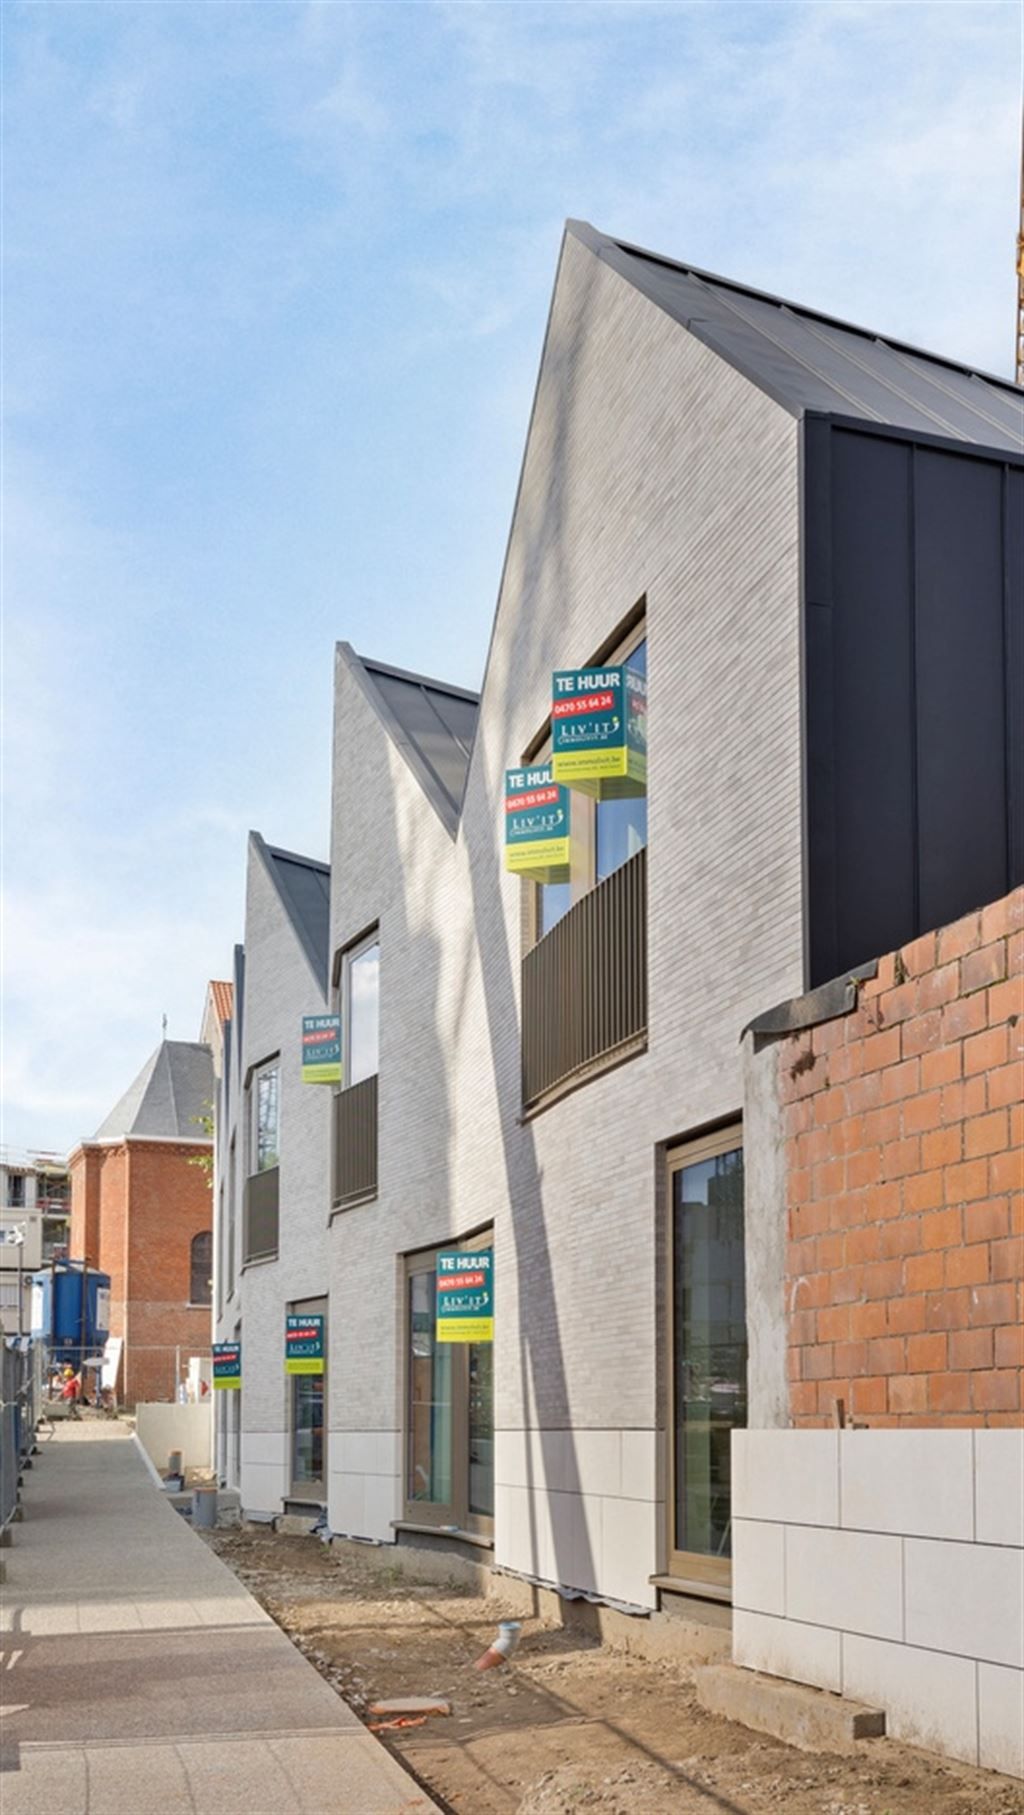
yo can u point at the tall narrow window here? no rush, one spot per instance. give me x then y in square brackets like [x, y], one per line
[708, 1372]
[430, 1400]
[308, 1416]
[449, 1465]
[266, 1118]
[361, 1011]
[229, 1270]
[200, 1268]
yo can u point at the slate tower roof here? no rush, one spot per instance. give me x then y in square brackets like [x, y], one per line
[174, 1087]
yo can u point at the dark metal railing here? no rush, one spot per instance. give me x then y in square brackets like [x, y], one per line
[355, 1144]
[260, 1216]
[584, 985]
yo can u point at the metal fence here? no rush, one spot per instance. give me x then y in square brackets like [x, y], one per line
[21, 1385]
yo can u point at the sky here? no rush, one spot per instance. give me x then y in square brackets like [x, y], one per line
[275, 284]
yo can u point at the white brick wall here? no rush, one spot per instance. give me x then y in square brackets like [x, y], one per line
[279, 989]
[889, 1566]
[651, 469]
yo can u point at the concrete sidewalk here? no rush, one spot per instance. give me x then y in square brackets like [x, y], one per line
[138, 1676]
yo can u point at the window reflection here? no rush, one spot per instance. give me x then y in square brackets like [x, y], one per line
[430, 1399]
[363, 1014]
[710, 1342]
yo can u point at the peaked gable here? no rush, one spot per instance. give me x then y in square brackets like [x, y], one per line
[303, 886]
[806, 361]
[431, 723]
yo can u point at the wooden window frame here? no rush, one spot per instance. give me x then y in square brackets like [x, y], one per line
[316, 1491]
[685, 1565]
[454, 1519]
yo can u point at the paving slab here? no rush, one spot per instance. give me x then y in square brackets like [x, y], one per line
[139, 1677]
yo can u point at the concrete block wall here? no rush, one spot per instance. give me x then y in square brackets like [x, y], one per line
[888, 1566]
[903, 1169]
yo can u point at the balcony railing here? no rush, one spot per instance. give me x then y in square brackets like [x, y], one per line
[584, 985]
[260, 1216]
[355, 1144]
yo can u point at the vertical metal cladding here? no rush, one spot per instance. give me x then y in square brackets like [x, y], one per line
[355, 1143]
[260, 1215]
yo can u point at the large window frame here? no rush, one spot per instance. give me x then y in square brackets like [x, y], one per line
[584, 844]
[355, 955]
[454, 1516]
[695, 1567]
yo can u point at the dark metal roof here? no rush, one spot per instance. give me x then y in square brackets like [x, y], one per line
[174, 1088]
[431, 723]
[304, 887]
[808, 361]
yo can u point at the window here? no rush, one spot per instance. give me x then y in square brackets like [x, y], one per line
[16, 1190]
[308, 1421]
[360, 1011]
[266, 1117]
[229, 1271]
[708, 1350]
[606, 833]
[449, 1460]
[201, 1268]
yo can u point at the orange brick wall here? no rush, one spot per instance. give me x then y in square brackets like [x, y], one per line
[905, 1170]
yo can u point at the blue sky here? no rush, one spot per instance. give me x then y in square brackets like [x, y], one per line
[276, 278]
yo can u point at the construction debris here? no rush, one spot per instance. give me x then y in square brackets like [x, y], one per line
[412, 1704]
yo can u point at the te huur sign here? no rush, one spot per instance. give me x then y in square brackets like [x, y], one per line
[321, 1049]
[227, 1364]
[304, 1345]
[465, 1295]
[537, 825]
[599, 731]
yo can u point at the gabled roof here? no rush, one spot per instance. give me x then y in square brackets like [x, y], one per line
[174, 1087]
[431, 723]
[304, 888]
[808, 361]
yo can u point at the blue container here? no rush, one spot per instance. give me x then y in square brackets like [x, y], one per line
[71, 1311]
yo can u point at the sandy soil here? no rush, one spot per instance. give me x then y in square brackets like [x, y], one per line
[570, 1725]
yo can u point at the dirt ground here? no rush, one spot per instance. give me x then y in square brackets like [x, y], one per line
[570, 1725]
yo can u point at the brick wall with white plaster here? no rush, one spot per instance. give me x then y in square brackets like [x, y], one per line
[888, 1566]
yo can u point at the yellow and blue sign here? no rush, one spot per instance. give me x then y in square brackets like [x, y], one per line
[227, 1364]
[538, 815]
[465, 1295]
[304, 1344]
[321, 1049]
[599, 731]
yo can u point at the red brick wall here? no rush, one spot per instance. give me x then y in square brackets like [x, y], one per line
[169, 1202]
[134, 1212]
[905, 1165]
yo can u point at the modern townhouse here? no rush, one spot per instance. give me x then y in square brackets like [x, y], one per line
[271, 1167]
[751, 719]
